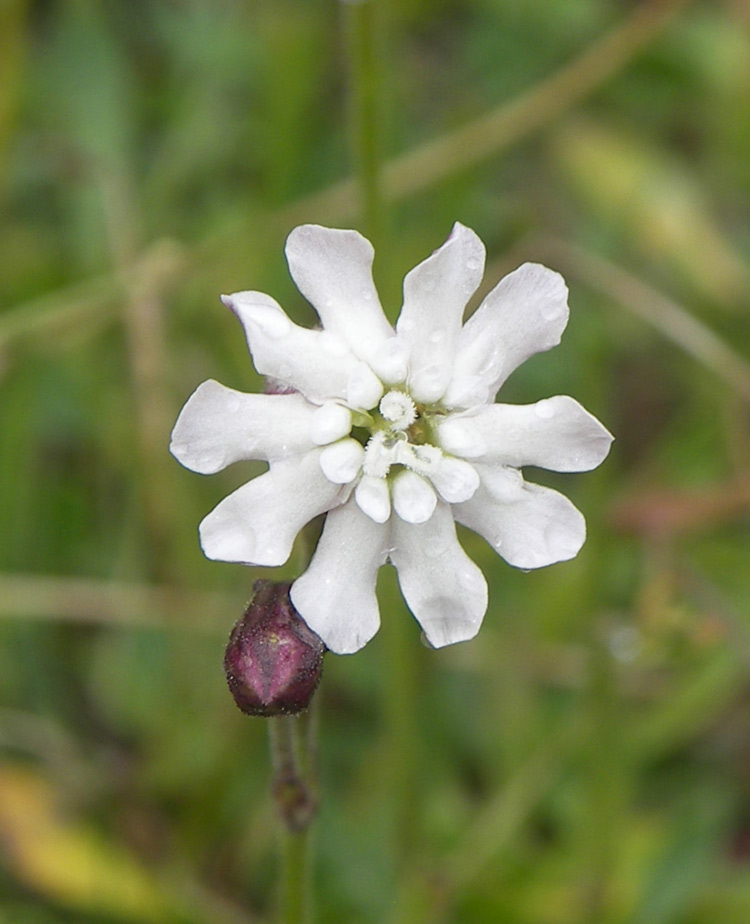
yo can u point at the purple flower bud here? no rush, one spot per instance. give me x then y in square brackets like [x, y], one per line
[273, 661]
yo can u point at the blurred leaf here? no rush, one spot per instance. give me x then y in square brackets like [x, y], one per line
[66, 860]
[13, 54]
[658, 204]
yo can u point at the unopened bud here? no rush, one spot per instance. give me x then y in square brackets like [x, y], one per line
[273, 661]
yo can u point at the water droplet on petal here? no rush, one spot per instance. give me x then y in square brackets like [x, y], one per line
[390, 361]
[428, 383]
[551, 309]
[364, 389]
[437, 335]
[405, 326]
[545, 408]
[233, 404]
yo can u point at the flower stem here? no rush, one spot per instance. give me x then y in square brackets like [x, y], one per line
[363, 34]
[293, 792]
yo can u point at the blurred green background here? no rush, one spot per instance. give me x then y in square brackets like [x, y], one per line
[586, 760]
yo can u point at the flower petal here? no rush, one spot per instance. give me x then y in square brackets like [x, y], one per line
[528, 525]
[317, 363]
[333, 270]
[259, 522]
[336, 595]
[435, 295]
[219, 425]
[373, 497]
[414, 498]
[524, 314]
[364, 389]
[442, 586]
[341, 462]
[455, 479]
[556, 433]
[330, 422]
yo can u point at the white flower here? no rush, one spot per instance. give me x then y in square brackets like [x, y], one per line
[394, 434]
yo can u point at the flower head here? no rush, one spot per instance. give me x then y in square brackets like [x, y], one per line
[394, 434]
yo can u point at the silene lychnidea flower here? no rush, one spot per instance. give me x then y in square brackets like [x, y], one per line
[394, 434]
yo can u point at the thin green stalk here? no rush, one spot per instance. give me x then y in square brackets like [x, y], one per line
[364, 30]
[363, 34]
[292, 762]
[400, 693]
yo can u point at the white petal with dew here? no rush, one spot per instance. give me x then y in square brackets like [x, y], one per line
[524, 314]
[455, 479]
[460, 436]
[528, 525]
[341, 462]
[364, 389]
[314, 362]
[219, 426]
[336, 595]
[413, 497]
[333, 270]
[390, 361]
[555, 433]
[330, 422]
[443, 588]
[435, 296]
[373, 497]
[259, 522]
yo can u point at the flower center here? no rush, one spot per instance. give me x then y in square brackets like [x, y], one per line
[392, 457]
[399, 409]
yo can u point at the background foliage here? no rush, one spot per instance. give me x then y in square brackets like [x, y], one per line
[587, 758]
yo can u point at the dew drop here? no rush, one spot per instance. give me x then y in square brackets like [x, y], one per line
[544, 409]
[437, 335]
[233, 404]
[406, 326]
[551, 309]
[474, 263]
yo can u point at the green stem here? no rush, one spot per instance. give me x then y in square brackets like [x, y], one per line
[400, 695]
[293, 792]
[364, 32]
[362, 21]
